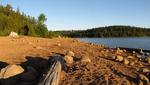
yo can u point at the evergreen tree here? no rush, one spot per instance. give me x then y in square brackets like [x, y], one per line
[41, 29]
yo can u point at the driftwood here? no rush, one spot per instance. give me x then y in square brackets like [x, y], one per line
[54, 72]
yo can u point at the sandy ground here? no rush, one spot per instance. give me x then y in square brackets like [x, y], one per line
[102, 70]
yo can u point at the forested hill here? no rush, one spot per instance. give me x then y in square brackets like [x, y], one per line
[11, 20]
[109, 31]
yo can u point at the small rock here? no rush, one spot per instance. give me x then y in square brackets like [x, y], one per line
[124, 50]
[126, 61]
[141, 51]
[143, 78]
[131, 57]
[147, 54]
[148, 59]
[145, 70]
[13, 35]
[133, 52]
[69, 53]
[119, 58]
[114, 57]
[119, 51]
[11, 70]
[138, 56]
[132, 63]
[58, 44]
[86, 60]
[69, 60]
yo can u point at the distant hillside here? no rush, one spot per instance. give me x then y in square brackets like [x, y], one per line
[109, 31]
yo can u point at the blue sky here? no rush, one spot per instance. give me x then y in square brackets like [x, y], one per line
[85, 14]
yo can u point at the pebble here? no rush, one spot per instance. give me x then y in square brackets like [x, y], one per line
[133, 52]
[126, 61]
[148, 59]
[70, 53]
[145, 70]
[131, 57]
[119, 58]
[58, 44]
[132, 63]
[143, 78]
[86, 60]
[114, 57]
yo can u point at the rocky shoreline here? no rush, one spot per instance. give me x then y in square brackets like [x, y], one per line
[91, 64]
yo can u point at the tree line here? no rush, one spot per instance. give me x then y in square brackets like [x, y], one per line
[109, 31]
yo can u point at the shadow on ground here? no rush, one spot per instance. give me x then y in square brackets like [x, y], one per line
[34, 68]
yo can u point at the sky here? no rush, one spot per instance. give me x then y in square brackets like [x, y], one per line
[86, 14]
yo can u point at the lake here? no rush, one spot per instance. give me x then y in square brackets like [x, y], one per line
[143, 42]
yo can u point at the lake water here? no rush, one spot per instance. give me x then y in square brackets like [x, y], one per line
[143, 43]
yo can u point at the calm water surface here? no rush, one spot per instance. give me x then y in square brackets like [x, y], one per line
[143, 43]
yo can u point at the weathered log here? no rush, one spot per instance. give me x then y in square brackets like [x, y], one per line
[53, 74]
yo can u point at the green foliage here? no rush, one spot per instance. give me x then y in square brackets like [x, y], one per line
[16, 21]
[41, 29]
[11, 20]
[42, 18]
[54, 34]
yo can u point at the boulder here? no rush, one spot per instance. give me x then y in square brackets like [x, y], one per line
[69, 53]
[69, 60]
[119, 58]
[10, 71]
[13, 35]
[10, 75]
[126, 61]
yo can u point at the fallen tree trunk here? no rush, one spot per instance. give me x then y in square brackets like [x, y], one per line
[53, 75]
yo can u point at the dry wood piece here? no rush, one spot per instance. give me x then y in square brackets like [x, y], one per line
[53, 75]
